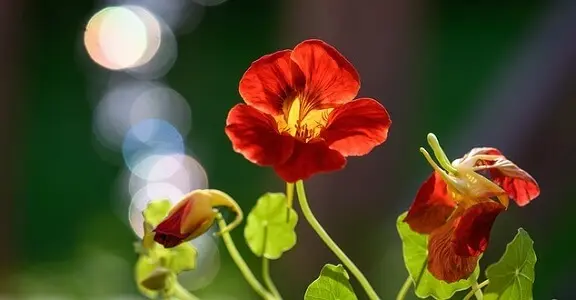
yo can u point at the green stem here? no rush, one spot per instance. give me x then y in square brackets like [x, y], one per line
[182, 294]
[404, 290]
[289, 199]
[402, 293]
[268, 279]
[307, 212]
[476, 290]
[244, 269]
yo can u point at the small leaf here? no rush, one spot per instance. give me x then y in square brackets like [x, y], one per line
[145, 267]
[156, 211]
[182, 258]
[270, 226]
[332, 284]
[156, 281]
[415, 251]
[513, 275]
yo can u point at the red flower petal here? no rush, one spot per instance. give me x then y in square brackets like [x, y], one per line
[308, 159]
[443, 262]
[356, 127]
[331, 80]
[168, 232]
[254, 134]
[517, 183]
[432, 206]
[473, 230]
[270, 80]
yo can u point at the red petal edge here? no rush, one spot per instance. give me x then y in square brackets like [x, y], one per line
[331, 80]
[431, 207]
[356, 127]
[308, 159]
[270, 80]
[255, 135]
[473, 231]
[443, 262]
[517, 183]
[168, 232]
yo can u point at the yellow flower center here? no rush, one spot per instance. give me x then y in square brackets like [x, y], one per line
[302, 121]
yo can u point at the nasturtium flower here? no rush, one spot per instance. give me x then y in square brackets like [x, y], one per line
[193, 216]
[300, 116]
[457, 206]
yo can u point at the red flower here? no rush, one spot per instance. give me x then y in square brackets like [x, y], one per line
[457, 207]
[300, 116]
[193, 216]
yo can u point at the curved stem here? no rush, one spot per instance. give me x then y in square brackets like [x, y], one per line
[307, 212]
[268, 279]
[181, 293]
[404, 290]
[475, 288]
[244, 269]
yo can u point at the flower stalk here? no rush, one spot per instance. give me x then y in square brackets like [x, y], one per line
[239, 261]
[307, 212]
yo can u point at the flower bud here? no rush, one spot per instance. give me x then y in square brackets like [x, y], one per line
[193, 216]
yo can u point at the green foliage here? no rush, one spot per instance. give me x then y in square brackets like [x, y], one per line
[513, 275]
[332, 284]
[270, 225]
[156, 211]
[415, 251]
[157, 267]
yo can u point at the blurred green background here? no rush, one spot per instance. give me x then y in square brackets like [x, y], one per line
[487, 73]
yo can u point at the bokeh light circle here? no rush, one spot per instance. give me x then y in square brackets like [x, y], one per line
[181, 171]
[148, 141]
[129, 102]
[121, 37]
[207, 264]
[153, 191]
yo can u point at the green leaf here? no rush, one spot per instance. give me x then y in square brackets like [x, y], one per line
[513, 275]
[182, 258]
[332, 284]
[145, 271]
[156, 280]
[156, 211]
[270, 226]
[415, 251]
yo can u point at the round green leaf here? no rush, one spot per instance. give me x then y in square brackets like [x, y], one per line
[156, 211]
[415, 252]
[332, 284]
[270, 226]
[513, 275]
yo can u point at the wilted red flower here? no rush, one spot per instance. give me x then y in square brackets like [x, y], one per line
[193, 216]
[300, 116]
[458, 206]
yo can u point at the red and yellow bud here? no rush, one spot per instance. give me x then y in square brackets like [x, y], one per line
[193, 216]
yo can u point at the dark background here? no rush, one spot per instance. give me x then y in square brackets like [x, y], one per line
[484, 73]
